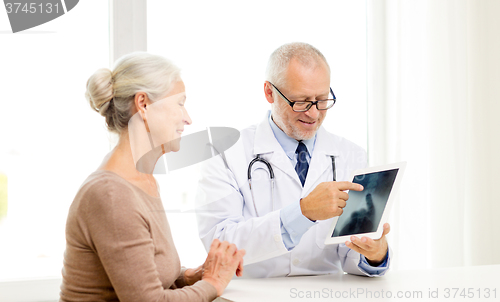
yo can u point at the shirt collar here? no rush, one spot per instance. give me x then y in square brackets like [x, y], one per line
[289, 144]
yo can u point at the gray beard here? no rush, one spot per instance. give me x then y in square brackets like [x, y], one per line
[290, 131]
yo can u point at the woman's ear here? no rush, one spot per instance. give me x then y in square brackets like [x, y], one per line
[141, 101]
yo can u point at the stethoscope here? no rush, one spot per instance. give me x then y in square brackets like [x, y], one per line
[271, 177]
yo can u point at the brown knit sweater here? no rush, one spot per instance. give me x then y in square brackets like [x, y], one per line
[119, 247]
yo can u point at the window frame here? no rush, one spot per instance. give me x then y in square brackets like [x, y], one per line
[127, 33]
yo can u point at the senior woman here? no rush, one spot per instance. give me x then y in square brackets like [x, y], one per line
[118, 241]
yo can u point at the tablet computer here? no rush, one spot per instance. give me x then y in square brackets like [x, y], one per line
[366, 212]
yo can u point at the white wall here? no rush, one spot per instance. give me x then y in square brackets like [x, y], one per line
[434, 71]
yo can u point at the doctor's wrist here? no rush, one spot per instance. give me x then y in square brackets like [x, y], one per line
[378, 262]
[374, 263]
[302, 210]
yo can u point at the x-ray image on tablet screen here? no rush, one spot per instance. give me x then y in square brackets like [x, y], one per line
[364, 209]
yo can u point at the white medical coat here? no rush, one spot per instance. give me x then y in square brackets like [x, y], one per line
[225, 207]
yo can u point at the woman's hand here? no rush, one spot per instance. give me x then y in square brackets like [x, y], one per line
[223, 261]
[193, 275]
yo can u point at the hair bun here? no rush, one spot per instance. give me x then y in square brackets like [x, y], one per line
[112, 92]
[100, 90]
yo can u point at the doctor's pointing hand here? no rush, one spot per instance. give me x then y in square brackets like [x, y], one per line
[327, 200]
[275, 191]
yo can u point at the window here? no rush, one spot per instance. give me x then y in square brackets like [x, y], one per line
[50, 139]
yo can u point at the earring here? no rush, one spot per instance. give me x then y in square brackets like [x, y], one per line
[146, 123]
[145, 119]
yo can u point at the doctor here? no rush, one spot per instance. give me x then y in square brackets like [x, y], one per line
[283, 219]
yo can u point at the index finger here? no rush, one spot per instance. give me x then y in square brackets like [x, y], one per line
[239, 269]
[240, 254]
[347, 185]
[215, 244]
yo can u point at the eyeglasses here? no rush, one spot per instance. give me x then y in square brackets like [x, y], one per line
[303, 106]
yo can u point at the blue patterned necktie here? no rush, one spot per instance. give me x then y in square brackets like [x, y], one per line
[302, 165]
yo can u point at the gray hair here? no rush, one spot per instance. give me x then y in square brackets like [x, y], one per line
[112, 93]
[278, 62]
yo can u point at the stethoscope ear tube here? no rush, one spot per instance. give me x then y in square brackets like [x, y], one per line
[271, 176]
[334, 168]
[256, 159]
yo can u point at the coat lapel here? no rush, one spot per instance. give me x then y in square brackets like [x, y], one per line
[267, 146]
[321, 160]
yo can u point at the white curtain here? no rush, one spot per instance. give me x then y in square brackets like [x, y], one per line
[434, 101]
